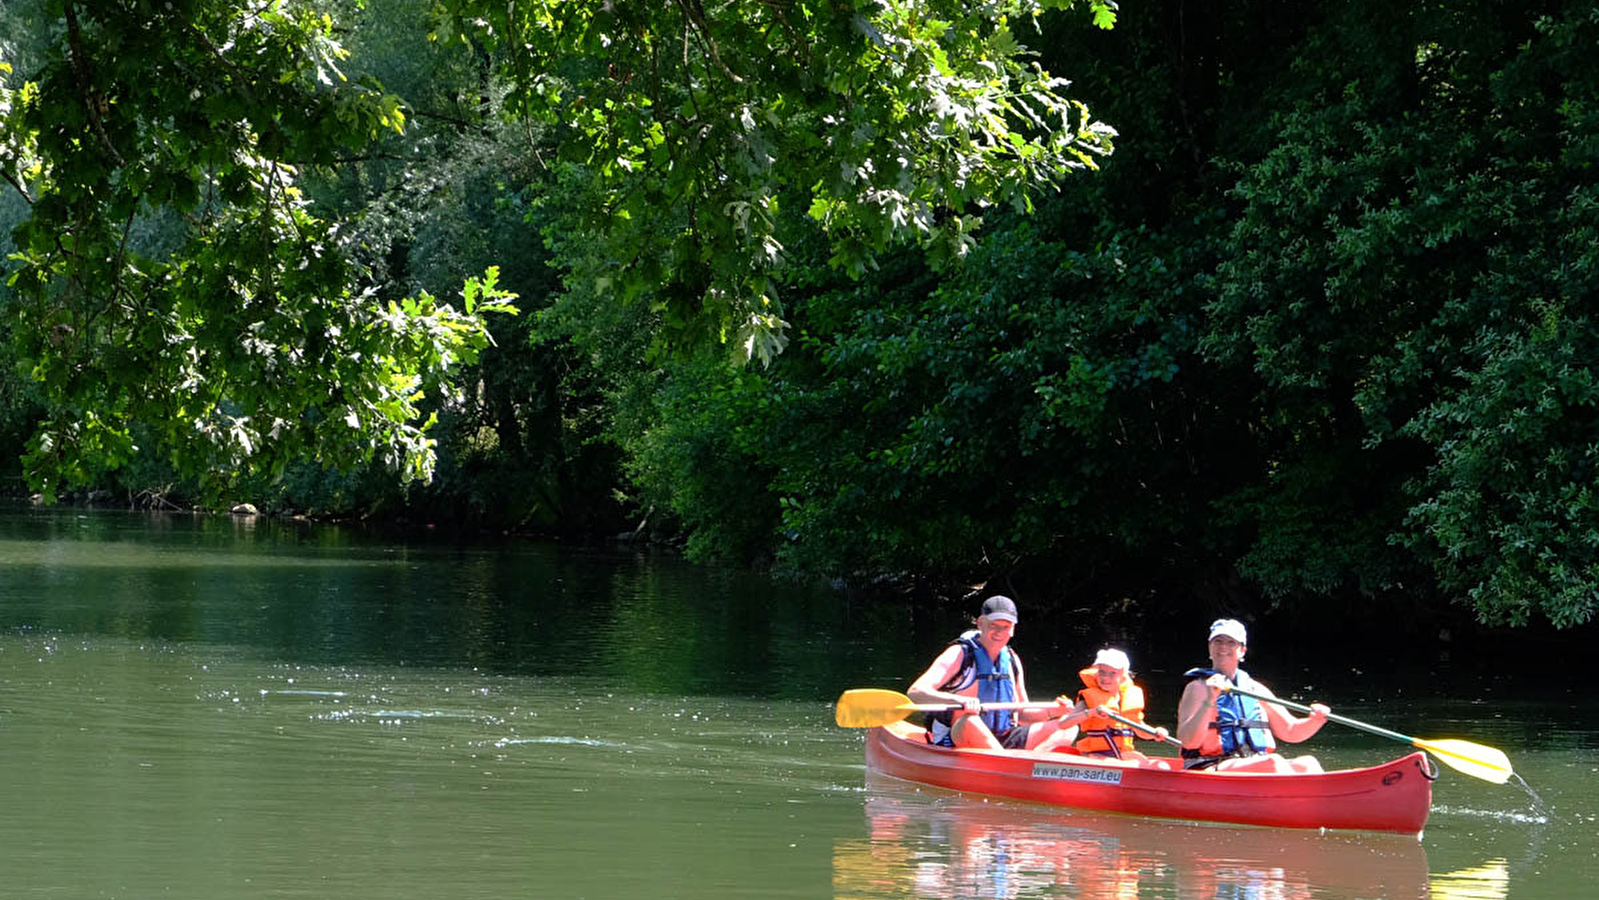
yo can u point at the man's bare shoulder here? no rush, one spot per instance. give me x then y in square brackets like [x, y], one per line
[942, 667]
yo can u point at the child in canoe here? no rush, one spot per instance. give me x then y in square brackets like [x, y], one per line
[1108, 685]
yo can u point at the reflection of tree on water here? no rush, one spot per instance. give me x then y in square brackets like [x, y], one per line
[953, 847]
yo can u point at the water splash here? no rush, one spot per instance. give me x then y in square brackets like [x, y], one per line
[1499, 815]
[1539, 808]
[430, 714]
[554, 739]
[397, 716]
[1540, 813]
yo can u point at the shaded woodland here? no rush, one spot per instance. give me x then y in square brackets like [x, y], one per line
[1300, 316]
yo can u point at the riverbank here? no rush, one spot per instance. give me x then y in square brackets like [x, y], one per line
[1152, 613]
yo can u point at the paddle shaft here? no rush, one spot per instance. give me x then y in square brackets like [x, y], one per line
[944, 707]
[872, 707]
[1476, 760]
[1141, 726]
[1300, 707]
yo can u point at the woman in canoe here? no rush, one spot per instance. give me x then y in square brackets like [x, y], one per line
[1107, 684]
[980, 667]
[1227, 731]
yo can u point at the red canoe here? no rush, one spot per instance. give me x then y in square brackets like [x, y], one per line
[1395, 796]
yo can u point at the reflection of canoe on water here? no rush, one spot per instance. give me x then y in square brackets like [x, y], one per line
[938, 845]
[1395, 796]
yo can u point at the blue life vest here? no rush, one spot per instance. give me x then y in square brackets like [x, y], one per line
[996, 683]
[1240, 722]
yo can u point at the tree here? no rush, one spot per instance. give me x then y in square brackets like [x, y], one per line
[1318, 338]
[693, 124]
[1409, 276]
[172, 285]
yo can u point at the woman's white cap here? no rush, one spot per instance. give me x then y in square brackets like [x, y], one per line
[1116, 659]
[1230, 627]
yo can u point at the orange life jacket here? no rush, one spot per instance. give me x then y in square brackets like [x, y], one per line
[1102, 734]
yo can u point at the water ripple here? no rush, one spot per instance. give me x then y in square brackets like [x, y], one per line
[555, 739]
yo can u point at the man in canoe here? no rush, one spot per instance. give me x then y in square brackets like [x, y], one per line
[1228, 731]
[1107, 684]
[980, 667]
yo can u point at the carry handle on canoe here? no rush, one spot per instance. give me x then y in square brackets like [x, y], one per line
[1475, 760]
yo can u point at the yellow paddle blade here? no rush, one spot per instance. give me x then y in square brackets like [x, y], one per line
[1472, 759]
[871, 707]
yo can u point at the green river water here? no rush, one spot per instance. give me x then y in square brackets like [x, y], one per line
[211, 707]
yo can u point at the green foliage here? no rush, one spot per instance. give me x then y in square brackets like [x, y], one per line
[693, 123]
[461, 190]
[1404, 266]
[1319, 335]
[237, 335]
[930, 376]
[697, 461]
[1323, 322]
[877, 437]
[1510, 510]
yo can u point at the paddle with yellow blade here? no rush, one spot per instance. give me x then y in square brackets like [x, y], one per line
[1475, 760]
[872, 707]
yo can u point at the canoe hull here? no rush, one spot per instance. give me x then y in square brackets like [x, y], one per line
[1395, 796]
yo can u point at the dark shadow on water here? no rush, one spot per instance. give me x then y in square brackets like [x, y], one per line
[332, 595]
